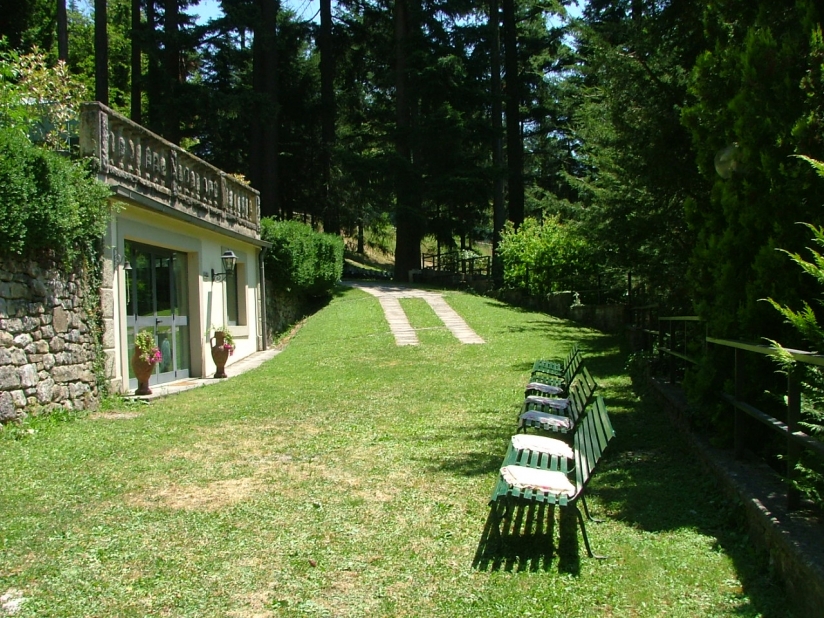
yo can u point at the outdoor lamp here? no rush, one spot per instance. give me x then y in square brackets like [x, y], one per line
[120, 260]
[229, 260]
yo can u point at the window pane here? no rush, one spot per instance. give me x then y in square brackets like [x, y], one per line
[164, 290]
[143, 282]
[181, 286]
[182, 347]
[164, 342]
[231, 298]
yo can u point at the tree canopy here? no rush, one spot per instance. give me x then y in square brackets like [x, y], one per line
[657, 137]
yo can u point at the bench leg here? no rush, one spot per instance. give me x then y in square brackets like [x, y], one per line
[587, 513]
[584, 534]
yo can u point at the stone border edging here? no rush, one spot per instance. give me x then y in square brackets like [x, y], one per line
[794, 543]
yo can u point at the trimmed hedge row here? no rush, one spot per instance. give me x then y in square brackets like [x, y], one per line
[301, 260]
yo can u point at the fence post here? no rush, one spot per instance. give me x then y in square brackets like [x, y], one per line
[671, 346]
[739, 418]
[793, 448]
[629, 288]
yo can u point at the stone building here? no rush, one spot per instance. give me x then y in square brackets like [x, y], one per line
[175, 217]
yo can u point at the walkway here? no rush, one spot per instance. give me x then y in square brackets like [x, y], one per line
[389, 295]
[235, 369]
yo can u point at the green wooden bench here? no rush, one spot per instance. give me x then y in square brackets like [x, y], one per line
[543, 369]
[539, 469]
[557, 414]
[546, 383]
[559, 389]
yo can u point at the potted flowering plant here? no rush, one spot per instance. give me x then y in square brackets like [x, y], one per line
[146, 356]
[222, 348]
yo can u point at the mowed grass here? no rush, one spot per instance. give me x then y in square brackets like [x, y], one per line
[350, 477]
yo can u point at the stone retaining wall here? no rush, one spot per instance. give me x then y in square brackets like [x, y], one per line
[46, 347]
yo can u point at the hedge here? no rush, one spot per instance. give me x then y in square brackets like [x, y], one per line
[301, 260]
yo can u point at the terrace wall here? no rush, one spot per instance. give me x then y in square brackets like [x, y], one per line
[47, 350]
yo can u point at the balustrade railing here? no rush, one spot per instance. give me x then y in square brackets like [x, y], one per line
[148, 165]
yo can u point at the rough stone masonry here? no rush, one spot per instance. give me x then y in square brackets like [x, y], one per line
[46, 347]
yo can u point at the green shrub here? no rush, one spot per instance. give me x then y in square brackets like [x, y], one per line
[543, 257]
[302, 260]
[48, 202]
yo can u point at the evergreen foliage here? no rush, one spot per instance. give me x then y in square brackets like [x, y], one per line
[301, 260]
[757, 102]
[805, 321]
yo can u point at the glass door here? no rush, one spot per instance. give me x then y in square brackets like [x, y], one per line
[157, 300]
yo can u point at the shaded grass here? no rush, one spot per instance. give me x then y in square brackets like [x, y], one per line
[350, 477]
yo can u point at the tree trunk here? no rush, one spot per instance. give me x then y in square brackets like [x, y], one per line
[101, 53]
[136, 111]
[514, 139]
[331, 214]
[171, 64]
[263, 161]
[62, 32]
[498, 208]
[408, 218]
[153, 83]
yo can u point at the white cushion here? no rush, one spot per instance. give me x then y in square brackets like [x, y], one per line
[521, 477]
[552, 402]
[544, 388]
[545, 419]
[541, 444]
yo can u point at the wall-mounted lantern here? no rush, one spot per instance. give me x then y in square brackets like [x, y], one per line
[229, 260]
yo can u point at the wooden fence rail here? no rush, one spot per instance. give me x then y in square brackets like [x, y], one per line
[678, 338]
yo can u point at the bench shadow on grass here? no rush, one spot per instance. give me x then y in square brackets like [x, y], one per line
[526, 541]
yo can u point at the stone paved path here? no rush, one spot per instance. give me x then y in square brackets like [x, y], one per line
[388, 295]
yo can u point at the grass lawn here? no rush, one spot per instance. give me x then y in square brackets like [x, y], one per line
[350, 477]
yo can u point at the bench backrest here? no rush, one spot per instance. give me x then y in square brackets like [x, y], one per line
[590, 440]
[564, 368]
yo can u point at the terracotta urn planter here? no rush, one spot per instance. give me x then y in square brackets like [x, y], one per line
[143, 372]
[220, 354]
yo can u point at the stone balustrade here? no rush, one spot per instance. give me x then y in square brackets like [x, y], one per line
[145, 164]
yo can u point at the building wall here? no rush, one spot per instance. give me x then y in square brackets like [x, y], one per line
[206, 298]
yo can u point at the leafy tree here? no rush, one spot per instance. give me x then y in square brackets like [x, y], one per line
[48, 202]
[543, 257]
[635, 173]
[36, 100]
[30, 24]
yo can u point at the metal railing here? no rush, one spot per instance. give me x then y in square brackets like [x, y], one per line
[458, 263]
[796, 440]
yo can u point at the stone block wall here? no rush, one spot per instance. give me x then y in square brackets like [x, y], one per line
[46, 347]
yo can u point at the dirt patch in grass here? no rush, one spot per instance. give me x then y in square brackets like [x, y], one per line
[210, 497]
[255, 605]
[113, 416]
